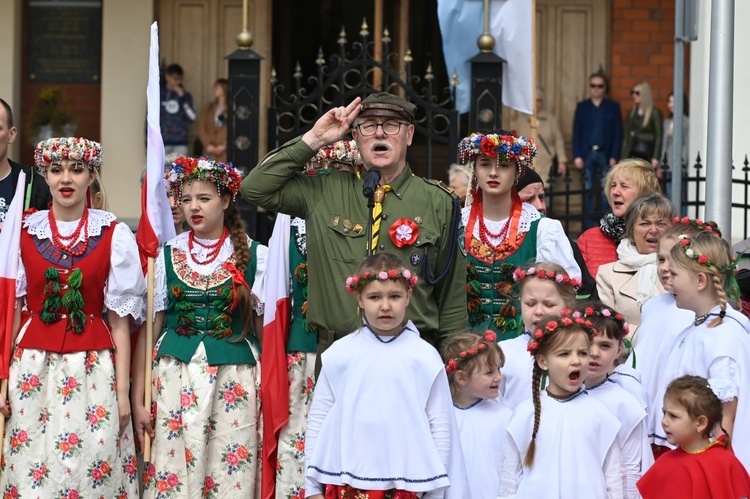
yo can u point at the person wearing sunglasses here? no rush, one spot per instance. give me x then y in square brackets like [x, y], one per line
[643, 127]
[597, 137]
[415, 218]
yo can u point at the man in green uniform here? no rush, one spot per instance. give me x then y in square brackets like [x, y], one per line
[419, 217]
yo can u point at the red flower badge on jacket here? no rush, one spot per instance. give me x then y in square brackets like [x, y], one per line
[403, 232]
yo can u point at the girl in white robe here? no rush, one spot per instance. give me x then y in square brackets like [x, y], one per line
[381, 422]
[562, 443]
[473, 364]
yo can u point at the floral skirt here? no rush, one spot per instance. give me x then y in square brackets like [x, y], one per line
[290, 474]
[62, 439]
[207, 427]
[349, 492]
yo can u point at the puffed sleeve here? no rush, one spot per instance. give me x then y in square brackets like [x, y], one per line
[552, 245]
[125, 290]
[259, 284]
[724, 378]
[160, 283]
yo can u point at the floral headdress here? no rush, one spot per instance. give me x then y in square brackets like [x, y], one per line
[695, 222]
[685, 242]
[608, 313]
[58, 149]
[357, 282]
[520, 274]
[503, 147]
[567, 318]
[452, 365]
[223, 175]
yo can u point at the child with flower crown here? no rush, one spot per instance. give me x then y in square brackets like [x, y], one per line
[545, 289]
[473, 365]
[381, 423]
[701, 467]
[655, 335]
[606, 347]
[562, 443]
[716, 345]
[501, 232]
[284, 453]
[208, 302]
[69, 431]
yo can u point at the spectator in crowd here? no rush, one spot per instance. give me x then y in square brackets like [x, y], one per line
[643, 127]
[459, 177]
[176, 111]
[212, 125]
[668, 140]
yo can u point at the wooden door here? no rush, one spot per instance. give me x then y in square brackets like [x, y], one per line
[572, 41]
[199, 34]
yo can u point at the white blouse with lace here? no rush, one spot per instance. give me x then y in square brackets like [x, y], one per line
[125, 289]
[201, 253]
[552, 245]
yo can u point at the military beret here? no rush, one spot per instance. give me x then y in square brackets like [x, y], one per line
[386, 104]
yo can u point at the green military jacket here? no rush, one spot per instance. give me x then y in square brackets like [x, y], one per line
[336, 214]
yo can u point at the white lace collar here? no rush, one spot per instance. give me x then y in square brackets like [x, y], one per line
[528, 215]
[37, 224]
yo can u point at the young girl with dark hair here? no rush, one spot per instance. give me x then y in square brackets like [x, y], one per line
[563, 442]
[205, 372]
[701, 467]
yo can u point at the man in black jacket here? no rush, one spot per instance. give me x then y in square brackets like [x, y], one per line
[37, 193]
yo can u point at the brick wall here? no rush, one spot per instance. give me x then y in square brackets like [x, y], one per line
[642, 35]
[83, 101]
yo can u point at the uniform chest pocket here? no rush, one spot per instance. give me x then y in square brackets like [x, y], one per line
[345, 239]
[426, 246]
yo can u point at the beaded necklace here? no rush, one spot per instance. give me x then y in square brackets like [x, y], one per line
[606, 378]
[381, 340]
[60, 241]
[213, 248]
[485, 234]
[565, 398]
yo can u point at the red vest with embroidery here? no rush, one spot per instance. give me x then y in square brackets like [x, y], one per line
[38, 255]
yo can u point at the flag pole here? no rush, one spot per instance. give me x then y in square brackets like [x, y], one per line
[4, 395]
[534, 121]
[149, 348]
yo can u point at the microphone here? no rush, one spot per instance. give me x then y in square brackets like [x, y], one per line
[372, 178]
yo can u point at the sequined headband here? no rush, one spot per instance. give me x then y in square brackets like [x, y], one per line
[503, 147]
[357, 282]
[58, 149]
[223, 175]
[567, 318]
[452, 365]
[520, 274]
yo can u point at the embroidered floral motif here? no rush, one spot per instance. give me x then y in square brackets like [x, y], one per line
[187, 400]
[98, 417]
[38, 473]
[19, 440]
[173, 424]
[69, 388]
[100, 472]
[300, 275]
[68, 494]
[130, 468]
[487, 255]
[233, 395]
[29, 386]
[236, 457]
[69, 444]
[167, 485]
[297, 442]
[92, 362]
[210, 488]
[11, 492]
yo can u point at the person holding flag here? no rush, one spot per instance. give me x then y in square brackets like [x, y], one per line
[69, 375]
[208, 302]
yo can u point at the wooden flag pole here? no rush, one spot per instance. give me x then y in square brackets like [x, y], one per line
[149, 348]
[4, 395]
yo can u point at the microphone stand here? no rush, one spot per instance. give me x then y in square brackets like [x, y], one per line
[370, 222]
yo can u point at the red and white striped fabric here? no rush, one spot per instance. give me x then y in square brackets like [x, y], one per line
[156, 225]
[10, 244]
[274, 378]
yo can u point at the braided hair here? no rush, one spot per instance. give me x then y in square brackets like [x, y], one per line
[236, 228]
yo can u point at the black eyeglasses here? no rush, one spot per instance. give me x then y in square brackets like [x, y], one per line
[389, 128]
[635, 92]
[596, 85]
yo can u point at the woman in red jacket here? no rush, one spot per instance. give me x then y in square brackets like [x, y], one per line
[626, 181]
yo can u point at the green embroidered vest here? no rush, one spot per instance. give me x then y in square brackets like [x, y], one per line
[198, 312]
[493, 297]
[302, 336]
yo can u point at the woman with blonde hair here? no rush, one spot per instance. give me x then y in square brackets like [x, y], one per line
[625, 182]
[643, 127]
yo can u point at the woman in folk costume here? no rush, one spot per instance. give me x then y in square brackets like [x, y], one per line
[503, 233]
[302, 341]
[69, 432]
[207, 283]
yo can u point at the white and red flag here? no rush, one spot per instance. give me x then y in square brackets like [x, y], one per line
[10, 244]
[156, 225]
[274, 378]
